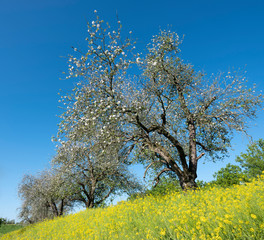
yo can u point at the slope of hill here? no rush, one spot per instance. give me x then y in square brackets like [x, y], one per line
[6, 228]
[213, 213]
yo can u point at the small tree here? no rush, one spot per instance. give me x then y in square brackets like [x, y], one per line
[168, 114]
[229, 175]
[253, 160]
[2, 221]
[95, 171]
[45, 196]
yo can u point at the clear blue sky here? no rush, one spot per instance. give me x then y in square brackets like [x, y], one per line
[35, 36]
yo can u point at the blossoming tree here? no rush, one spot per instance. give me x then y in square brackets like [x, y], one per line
[45, 196]
[163, 112]
[95, 171]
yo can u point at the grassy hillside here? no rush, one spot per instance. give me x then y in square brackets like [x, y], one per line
[5, 228]
[214, 213]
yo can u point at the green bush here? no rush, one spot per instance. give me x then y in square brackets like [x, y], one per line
[229, 175]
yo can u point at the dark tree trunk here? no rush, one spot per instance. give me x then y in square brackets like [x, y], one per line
[188, 183]
[89, 203]
[54, 209]
[187, 174]
[61, 207]
[192, 150]
[88, 200]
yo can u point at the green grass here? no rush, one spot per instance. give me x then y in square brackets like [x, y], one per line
[6, 228]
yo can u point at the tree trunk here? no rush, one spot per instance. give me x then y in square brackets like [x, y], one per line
[188, 183]
[89, 203]
[54, 209]
[61, 207]
[187, 174]
[192, 149]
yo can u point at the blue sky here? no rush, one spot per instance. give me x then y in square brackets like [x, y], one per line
[36, 36]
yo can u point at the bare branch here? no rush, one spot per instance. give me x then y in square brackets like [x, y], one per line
[161, 159]
[128, 152]
[207, 105]
[166, 156]
[148, 130]
[177, 144]
[157, 178]
[147, 168]
[106, 196]
[199, 156]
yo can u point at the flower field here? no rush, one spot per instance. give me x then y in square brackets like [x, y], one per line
[212, 213]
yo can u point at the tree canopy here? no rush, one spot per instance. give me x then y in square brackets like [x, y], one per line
[155, 106]
[252, 161]
[229, 175]
[46, 195]
[95, 172]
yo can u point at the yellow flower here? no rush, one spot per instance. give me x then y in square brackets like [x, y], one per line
[227, 221]
[186, 216]
[203, 219]
[162, 232]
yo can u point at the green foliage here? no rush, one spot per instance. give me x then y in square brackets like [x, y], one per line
[252, 162]
[229, 175]
[2, 221]
[201, 184]
[6, 221]
[6, 228]
[165, 186]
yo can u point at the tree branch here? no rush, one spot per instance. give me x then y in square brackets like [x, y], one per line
[203, 147]
[206, 106]
[106, 196]
[128, 153]
[148, 130]
[161, 159]
[166, 156]
[199, 156]
[163, 115]
[177, 144]
[157, 178]
[147, 168]
[84, 190]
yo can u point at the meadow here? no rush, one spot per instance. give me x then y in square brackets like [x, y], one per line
[6, 228]
[211, 213]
